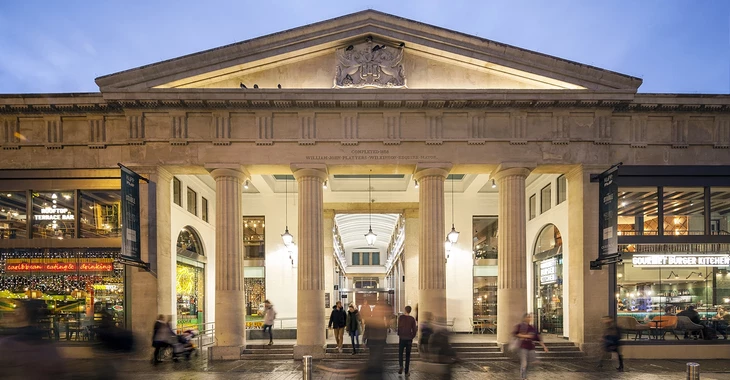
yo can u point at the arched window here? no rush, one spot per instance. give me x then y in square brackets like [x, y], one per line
[549, 243]
[189, 240]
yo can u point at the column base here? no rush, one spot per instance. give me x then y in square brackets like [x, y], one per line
[316, 352]
[225, 353]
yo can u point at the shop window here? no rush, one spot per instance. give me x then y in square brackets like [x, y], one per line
[254, 284]
[177, 191]
[253, 237]
[100, 215]
[82, 288]
[720, 211]
[13, 215]
[656, 280]
[684, 211]
[545, 198]
[204, 209]
[190, 290]
[562, 189]
[548, 270]
[533, 206]
[188, 241]
[638, 211]
[192, 200]
[484, 240]
[356, 258]
[486, 232]
[54, 215]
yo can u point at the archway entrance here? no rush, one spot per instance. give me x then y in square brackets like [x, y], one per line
[190, 278]
[548, 269]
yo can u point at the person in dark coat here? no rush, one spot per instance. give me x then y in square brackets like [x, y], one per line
[338, 320]
[162, 335]
[611, 338]
[353, 326]
[407, 330]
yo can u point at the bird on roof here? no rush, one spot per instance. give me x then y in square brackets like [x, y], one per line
[402, 45]
[376, 48]
[349, 48]
[243, 85]
[255, 86]
[279, 85]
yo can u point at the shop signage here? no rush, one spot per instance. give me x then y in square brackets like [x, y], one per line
[681, 260]
[59, 267]
[549, 271]
[608, 213]
[48, 213]
[131, 247]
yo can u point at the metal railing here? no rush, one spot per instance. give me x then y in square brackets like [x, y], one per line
[280, 323]
[206, 333]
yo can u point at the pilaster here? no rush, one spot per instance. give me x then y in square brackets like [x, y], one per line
[310, 281]
[411, 254]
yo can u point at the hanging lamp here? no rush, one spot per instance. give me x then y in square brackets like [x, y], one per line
[453, 236]
[370, 237]
[286, 236]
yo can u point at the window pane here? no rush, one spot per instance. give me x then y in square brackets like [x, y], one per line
[562, 189]
[366, 258]
[100, 214]
[204, 209]
[253, 237]
[533, 207]
[188, 240]
[684, 211]
[53, 215]
[13, 215]
[485, 239]
[545, 200]
[356, 258]
[192, 202]
[375, 258]
[720, 211]
[638, 211]
[176, 191]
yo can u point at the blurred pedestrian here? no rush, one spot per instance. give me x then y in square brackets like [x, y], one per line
[527, 335]
[426, 332]
[162, 337]
[269, 317]
[338, 320]
[407, 330]
[610, 343]
[440, 352]
[352, 324]
[376, 326]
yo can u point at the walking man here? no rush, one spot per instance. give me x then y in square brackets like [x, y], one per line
[269, 317]
[407, 330]
[353, 323]
[338, 319]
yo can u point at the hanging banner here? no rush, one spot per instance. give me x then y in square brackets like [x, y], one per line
[608, 213]
[131, 249]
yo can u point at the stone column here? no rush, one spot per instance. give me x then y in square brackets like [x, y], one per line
[410, 257]
[310, 285]
[230, 307]
[151, 293]
[512, 266]
[431, 260]
[587, 289]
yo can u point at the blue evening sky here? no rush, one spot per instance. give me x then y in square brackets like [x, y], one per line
[61, 46]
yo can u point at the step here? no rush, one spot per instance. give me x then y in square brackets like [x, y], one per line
[267, 356]
[476, 350]
[269, 351]
[269, 347]
[476, 344]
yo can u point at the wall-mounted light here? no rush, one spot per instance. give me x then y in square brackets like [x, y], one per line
[699, 274]
[245, 185]
[324, 185]
[494, 184]
[676, 276]
[416, 182]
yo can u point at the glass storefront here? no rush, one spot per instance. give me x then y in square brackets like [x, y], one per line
[548, 280]
[190, 279]
[253, 237]
[79, 286]
[254, 285]
[13, 215]
[484, 245]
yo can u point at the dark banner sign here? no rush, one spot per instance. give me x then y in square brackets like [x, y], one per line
[608, 213]
[131, 248]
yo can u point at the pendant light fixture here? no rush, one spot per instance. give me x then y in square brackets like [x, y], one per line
[453, 236]
[286, 236]
[370, 237]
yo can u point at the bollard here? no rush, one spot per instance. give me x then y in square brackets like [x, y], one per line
[693, 371]
[307, 367]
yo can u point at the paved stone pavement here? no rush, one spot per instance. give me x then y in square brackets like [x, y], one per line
[290, 370]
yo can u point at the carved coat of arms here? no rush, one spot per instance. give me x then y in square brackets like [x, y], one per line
[369, 65]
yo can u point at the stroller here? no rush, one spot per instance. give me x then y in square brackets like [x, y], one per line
[184, 347]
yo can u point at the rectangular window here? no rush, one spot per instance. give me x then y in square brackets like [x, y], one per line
[54, 215]
[562, 189]
[176, 191]
[253, 237]
[356, 258]
[366, 258]
[100, 214]
[13, 215]
[684, 210]
[533, 207]
[204, 209]
[638, 211]
[375, 258]
[545, 198]
[192, 198]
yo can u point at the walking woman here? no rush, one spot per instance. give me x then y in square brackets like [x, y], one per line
[527, 335]
[353, 327]
[611, 338]
[269, 317]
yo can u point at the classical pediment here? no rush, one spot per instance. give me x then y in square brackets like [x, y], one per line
[365, 50]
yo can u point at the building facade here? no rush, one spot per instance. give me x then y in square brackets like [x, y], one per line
[367, 122]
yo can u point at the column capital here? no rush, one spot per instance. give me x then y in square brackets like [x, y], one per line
[586, 169]
[309, 170]
[506, 169]
[228, 170]
[147, 171]
[440, 169]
